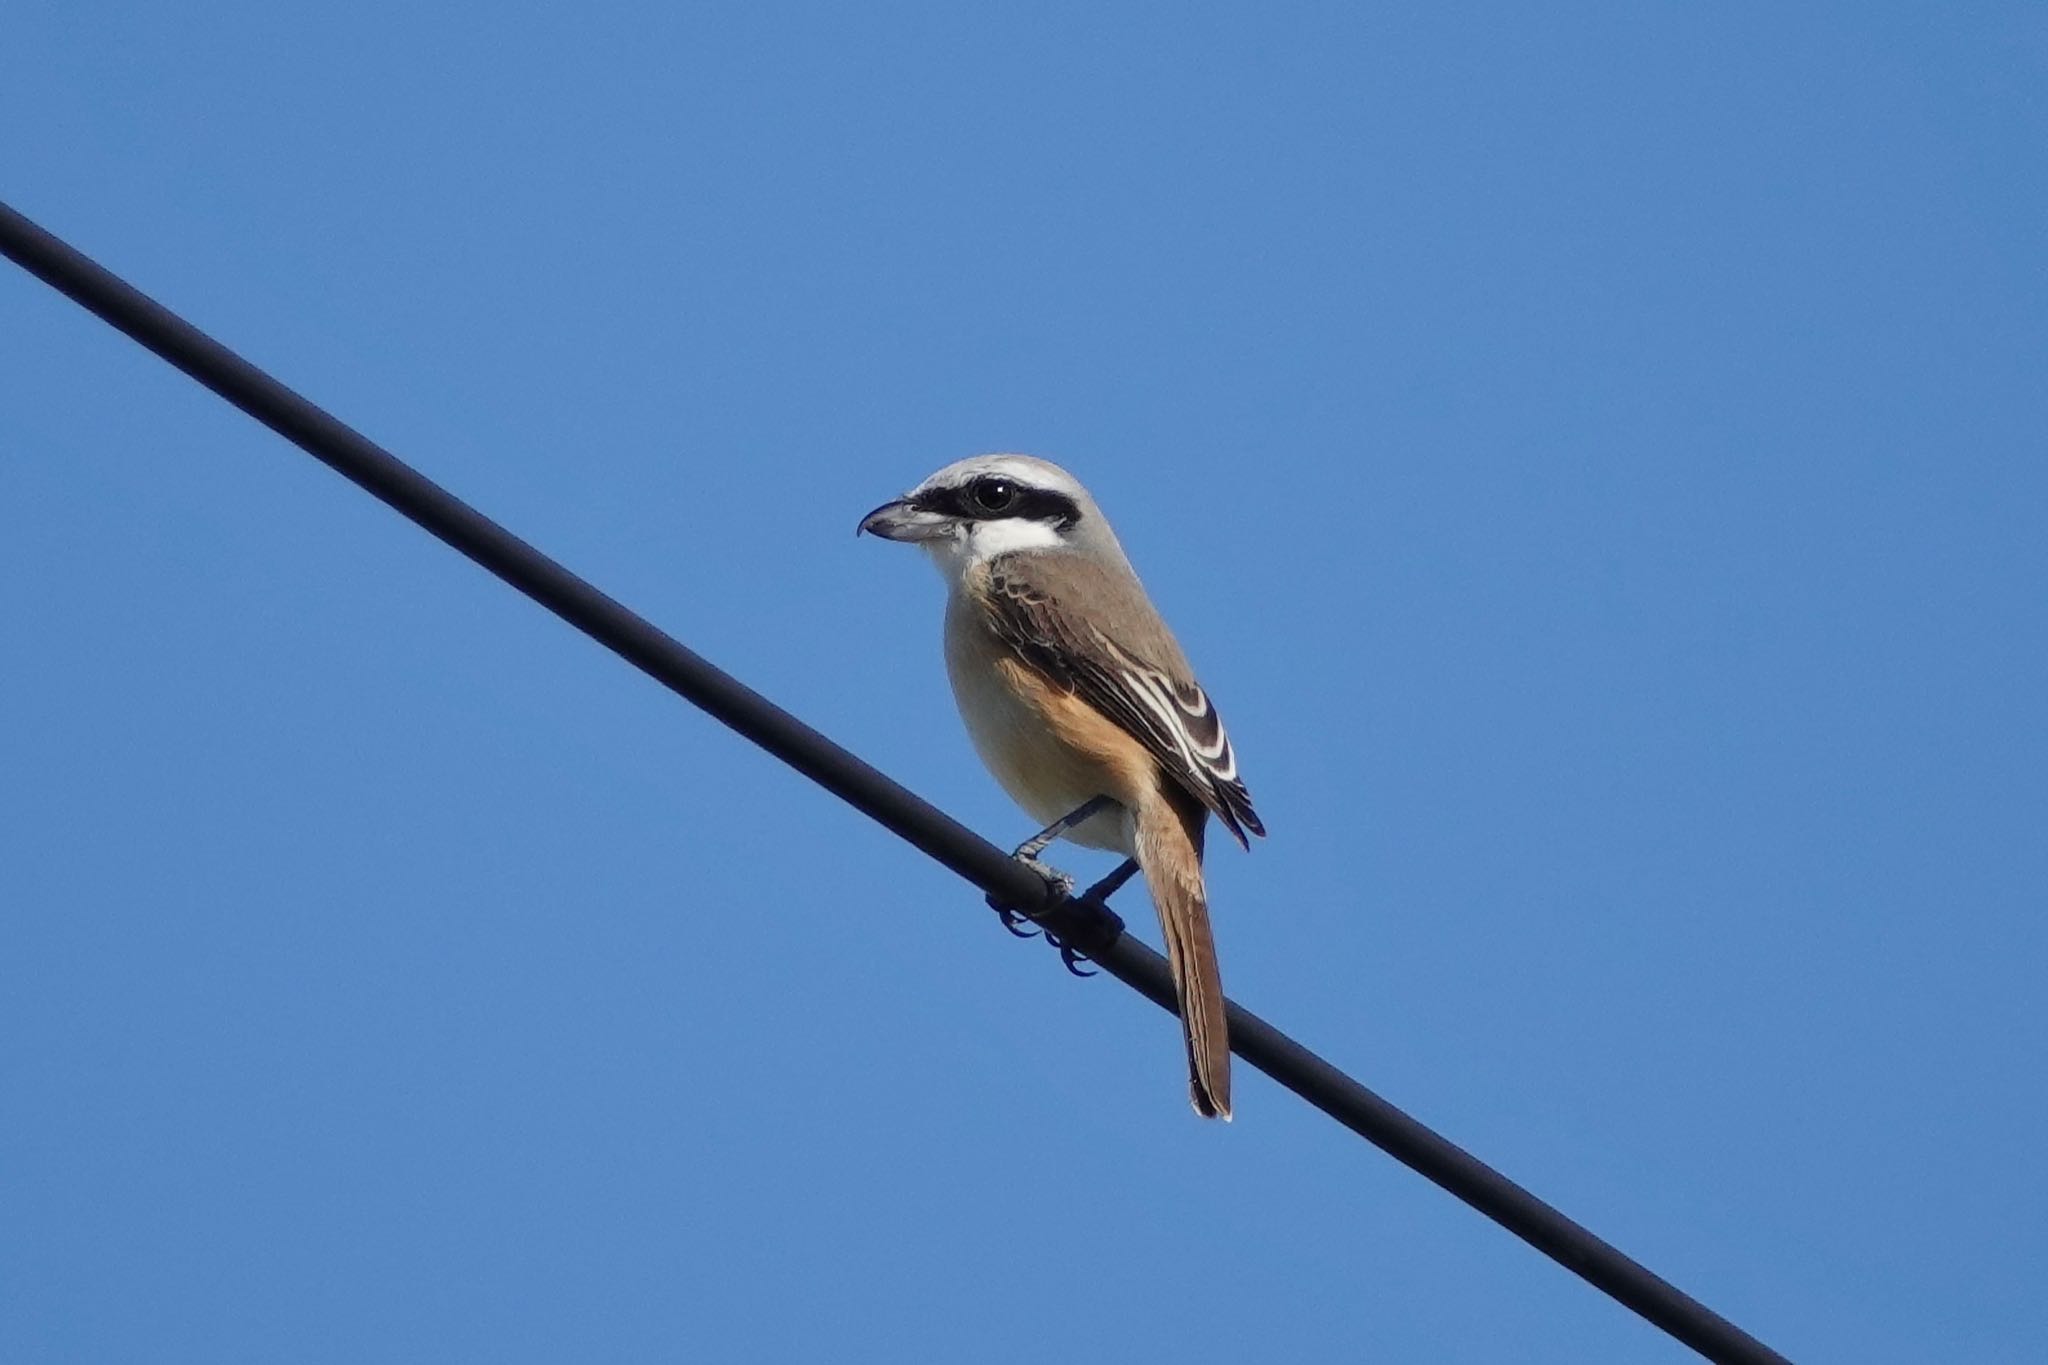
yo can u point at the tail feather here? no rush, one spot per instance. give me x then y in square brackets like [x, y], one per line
[1170, 851]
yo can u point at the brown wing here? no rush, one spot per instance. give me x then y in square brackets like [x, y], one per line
[1124, 662]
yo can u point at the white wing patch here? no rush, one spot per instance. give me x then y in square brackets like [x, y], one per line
[1185, 718]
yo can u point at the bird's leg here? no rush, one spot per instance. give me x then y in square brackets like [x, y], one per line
[1028, 851]
[1056, 881]
[1111, 884]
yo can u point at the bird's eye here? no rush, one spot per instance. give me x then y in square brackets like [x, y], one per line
[992, 495]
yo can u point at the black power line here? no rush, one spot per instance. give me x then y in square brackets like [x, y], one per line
[1087, 926]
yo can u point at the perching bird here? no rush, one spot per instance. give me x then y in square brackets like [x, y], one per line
[1081, 703]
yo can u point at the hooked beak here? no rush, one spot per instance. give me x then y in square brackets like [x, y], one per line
[901, 520]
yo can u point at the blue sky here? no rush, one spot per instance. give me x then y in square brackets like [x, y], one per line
[1596, 459]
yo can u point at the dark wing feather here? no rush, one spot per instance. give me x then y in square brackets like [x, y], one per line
[1140, 680]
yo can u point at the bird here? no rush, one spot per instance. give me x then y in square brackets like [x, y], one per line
[1083, 706]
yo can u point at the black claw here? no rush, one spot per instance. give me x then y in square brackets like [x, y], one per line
[1073, 960]
[1013, 919]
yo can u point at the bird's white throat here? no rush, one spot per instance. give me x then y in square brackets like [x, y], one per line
[980, 541]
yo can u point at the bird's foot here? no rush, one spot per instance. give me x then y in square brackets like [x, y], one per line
[1060, 889]
[1060, 898]
[1059, 886]
[1099, 893]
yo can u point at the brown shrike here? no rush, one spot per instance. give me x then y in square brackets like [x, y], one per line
[1081, 703]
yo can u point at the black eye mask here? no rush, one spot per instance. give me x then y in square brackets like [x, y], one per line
[994, 498]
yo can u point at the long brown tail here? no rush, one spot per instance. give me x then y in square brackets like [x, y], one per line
[1170, 852]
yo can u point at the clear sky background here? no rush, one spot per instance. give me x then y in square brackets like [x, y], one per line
[1597, 458]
